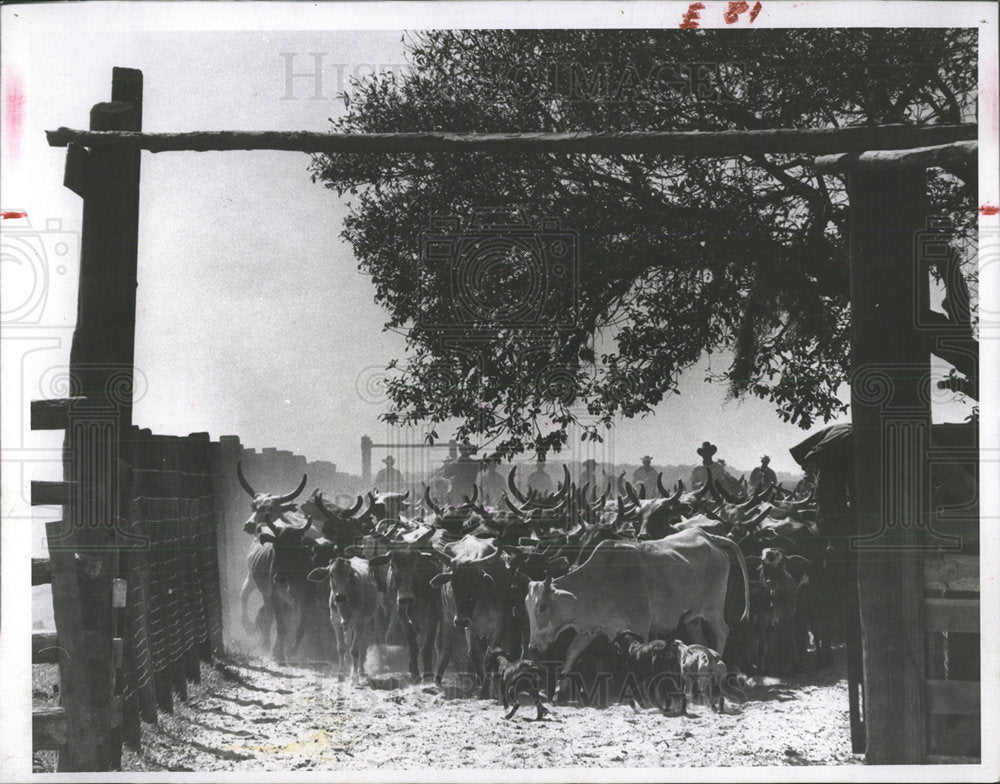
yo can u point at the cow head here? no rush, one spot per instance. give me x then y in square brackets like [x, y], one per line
[411, 567]
[468, 564]
[782, 575]
[345, 584]
[267, 509]
[340, 525]
[547, 607]
[387, 506]
[292, 556]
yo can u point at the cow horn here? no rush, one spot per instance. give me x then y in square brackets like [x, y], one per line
[759, 518]
[513, 486]
[290, 496]
[753, 501]
[321, 505]
[363, 509]
[660, 487]
[621, 483]
[243, 480]
[357, 507]
[429, 502]
[632, 495]
[703, 490]
[475, 497]
[513, 507]
[304, 527]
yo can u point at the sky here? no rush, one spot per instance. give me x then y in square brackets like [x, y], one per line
[253, 319]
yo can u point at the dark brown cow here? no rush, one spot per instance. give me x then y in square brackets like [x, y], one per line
[418, 603]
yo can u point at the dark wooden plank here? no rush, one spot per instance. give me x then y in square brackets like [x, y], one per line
[41, 571]
[959, 698]
[101, 363]
[951, 615]
[44, 493]
[891, 430]
[51, 414]
[816, 141]
[951, 573]
[44, 647]
[48, 729]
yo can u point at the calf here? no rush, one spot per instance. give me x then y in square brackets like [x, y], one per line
[352, 609]
[703, 671]
[653, 664]
[518, 680]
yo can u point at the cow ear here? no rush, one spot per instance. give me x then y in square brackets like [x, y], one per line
[440, 579]
[379, 560]
[569, 595]
[319, 575]
[266, 538]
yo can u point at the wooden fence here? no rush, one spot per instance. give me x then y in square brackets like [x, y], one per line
[165, 607]
[174, 592]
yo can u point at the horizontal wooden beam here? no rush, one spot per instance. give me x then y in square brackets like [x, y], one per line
[48, 728]
[951, 615]
[44, 647]
[723, 144]
[41, 571]
[872, 160]
[959, 698]
[49, 493]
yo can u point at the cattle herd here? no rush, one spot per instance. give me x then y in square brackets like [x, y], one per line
[559, 597]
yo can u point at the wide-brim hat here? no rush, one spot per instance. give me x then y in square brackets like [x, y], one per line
[765, 459]
[589, 462]
[644, 458]
[706, 450]
[389, 460]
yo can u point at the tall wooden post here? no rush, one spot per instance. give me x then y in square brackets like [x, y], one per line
[366, 462]
[101, 375]
[890, 406]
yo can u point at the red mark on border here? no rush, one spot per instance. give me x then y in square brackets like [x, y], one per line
[13, 109]
[755, 10]
[691, 16]
[735, 9]
[989, 209]
[12, 215]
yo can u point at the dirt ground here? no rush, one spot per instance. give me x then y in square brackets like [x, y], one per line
[250, 715]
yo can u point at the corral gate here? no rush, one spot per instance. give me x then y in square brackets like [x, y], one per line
[891, 431]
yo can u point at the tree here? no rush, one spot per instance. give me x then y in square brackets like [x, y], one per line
[674, 256]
